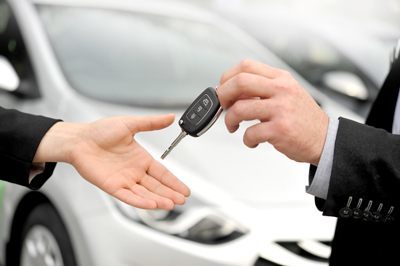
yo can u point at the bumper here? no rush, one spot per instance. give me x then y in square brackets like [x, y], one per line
[113, 239]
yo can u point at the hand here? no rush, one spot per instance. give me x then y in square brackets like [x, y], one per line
[289, 117]
[106, 154]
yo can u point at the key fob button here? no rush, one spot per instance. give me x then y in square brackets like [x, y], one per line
[200, 111]
[193, 117]
[206, 108]
[206, 102]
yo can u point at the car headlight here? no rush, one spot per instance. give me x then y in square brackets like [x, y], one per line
[193, 221]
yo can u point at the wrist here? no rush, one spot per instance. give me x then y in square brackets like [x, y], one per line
[59, 142]
[321, 138]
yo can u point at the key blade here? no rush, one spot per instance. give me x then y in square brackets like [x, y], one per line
[167, 151]
[174, 143]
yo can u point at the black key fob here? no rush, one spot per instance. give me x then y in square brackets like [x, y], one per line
[198, 117]
[201, 114]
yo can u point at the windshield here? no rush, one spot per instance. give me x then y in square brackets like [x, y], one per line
[139, 58]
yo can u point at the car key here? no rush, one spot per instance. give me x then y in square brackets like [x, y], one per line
[198, 117]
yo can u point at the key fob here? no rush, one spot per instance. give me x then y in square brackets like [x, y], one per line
[198, 117]
[201, 114]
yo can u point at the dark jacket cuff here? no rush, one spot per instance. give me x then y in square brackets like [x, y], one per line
[20, 136]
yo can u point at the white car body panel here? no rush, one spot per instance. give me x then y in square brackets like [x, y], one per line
[273, 206]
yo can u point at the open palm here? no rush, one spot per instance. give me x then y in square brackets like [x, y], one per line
[108, 156]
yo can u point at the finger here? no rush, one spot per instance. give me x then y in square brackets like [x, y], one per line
[162, 174]
[130, 198]
[156, 187]
[246, 110]
[162, 203]
[147, 123]
[252, 67]
[243, 86]
[258, 133]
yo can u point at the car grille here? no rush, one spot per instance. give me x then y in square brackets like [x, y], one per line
[264, 262]
[305, 251]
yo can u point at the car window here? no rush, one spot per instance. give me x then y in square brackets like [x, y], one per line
[12, 46]
[139, 58]
[4, 15]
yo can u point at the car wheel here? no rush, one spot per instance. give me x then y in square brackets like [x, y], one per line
[45, 240]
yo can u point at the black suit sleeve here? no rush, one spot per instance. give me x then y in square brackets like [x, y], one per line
[20, 135]
[366, 165]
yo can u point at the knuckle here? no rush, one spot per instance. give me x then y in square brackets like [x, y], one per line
[275, 109]
[280, 85]
[238, 108]
[242, 80]
[223, 78]
[246, 65]
[286, 85]
[223, 98]
[282, 127]
[286, 73]
[290, 89]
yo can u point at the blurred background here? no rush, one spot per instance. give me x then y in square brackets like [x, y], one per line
[80, 60]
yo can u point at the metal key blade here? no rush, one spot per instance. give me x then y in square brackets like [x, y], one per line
[173, 145]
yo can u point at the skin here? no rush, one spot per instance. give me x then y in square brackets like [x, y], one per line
[288, 116]
[106, 154]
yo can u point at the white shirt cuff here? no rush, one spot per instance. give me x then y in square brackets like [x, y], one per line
[37, 168]
[320, 184]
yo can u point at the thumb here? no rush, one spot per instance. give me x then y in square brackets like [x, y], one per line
[148, 123]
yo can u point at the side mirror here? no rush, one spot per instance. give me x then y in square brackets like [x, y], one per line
[346, 83]
[9, 80]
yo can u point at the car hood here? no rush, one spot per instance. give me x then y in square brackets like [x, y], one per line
[257, 176]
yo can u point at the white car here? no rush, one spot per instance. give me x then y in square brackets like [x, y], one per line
[82, 60]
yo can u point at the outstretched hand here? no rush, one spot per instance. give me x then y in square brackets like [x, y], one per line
[106, 154]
